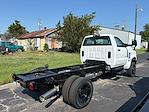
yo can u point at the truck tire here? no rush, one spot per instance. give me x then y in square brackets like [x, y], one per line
[19, 50]
[131, 72]
[80, 93]
[66, 88]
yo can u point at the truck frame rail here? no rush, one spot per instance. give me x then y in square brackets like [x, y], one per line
[63, 80]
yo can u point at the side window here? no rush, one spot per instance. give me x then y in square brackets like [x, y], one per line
[3, 43]
[119, 42]
[89, 42]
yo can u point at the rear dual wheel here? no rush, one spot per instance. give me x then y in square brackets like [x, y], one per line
[66, 88]
[78, 93]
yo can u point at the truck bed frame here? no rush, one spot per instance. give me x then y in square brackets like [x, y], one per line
[59, 75]
[54, 79]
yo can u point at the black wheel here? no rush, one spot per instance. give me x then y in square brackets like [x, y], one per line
[131, 72]
[19, 50]
[80, 93]
[66, 88]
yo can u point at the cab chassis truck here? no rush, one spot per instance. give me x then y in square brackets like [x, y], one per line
[99, 54]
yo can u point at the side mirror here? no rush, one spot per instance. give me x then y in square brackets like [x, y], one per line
[134, 42]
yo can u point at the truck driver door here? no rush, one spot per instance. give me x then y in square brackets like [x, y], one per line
[121, 52]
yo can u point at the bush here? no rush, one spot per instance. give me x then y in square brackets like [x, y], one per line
[46, 47]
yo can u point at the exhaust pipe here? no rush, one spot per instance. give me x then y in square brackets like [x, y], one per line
[49, 94]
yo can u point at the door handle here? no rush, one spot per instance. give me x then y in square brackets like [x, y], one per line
[82, 53]
[119, 50]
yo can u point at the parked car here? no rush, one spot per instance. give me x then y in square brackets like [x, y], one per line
[10, 47]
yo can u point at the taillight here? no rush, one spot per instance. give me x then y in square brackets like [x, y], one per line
[31, 86]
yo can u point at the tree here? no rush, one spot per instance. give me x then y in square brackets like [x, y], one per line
[74, 29]
[7, 36]
[145, 34]
[16, 29]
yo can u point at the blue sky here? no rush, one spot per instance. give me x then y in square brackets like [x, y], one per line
[108, 12]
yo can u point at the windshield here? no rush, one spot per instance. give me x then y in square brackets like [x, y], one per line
[9, 43]
[102, 40]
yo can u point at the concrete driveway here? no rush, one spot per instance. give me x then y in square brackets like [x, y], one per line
[111, 94]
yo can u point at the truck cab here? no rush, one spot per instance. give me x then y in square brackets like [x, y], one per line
[108, 48]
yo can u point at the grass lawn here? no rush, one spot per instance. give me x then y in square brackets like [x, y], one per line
[26, 61]
[141, 51]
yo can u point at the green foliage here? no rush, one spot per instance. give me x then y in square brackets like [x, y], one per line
[46, 47]
[145, 34]
[6, 36]
[73, 30]
[16, 29]
[141, 51]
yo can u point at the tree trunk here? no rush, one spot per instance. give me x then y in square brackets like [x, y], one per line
[148, 47]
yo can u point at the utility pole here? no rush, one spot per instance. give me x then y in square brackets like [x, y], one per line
[37, 40]
[39, 24]
[136, 20]
[136, 17]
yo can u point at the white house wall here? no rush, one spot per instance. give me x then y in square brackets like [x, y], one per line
[59, 44]
[138, 38]
[138, 41]
[126, 36]
[48, 41]
[121, 34]
[144, 44]
[38, 44]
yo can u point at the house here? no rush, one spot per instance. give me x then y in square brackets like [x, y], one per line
[38, 39]
[126, 36]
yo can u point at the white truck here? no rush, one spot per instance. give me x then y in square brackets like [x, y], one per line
[99, 54]
[120, 57]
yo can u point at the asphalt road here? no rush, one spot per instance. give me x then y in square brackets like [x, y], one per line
[111, 94]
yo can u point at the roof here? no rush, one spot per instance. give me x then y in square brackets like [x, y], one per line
[118, 29]
[38, 34]
[106, 34]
